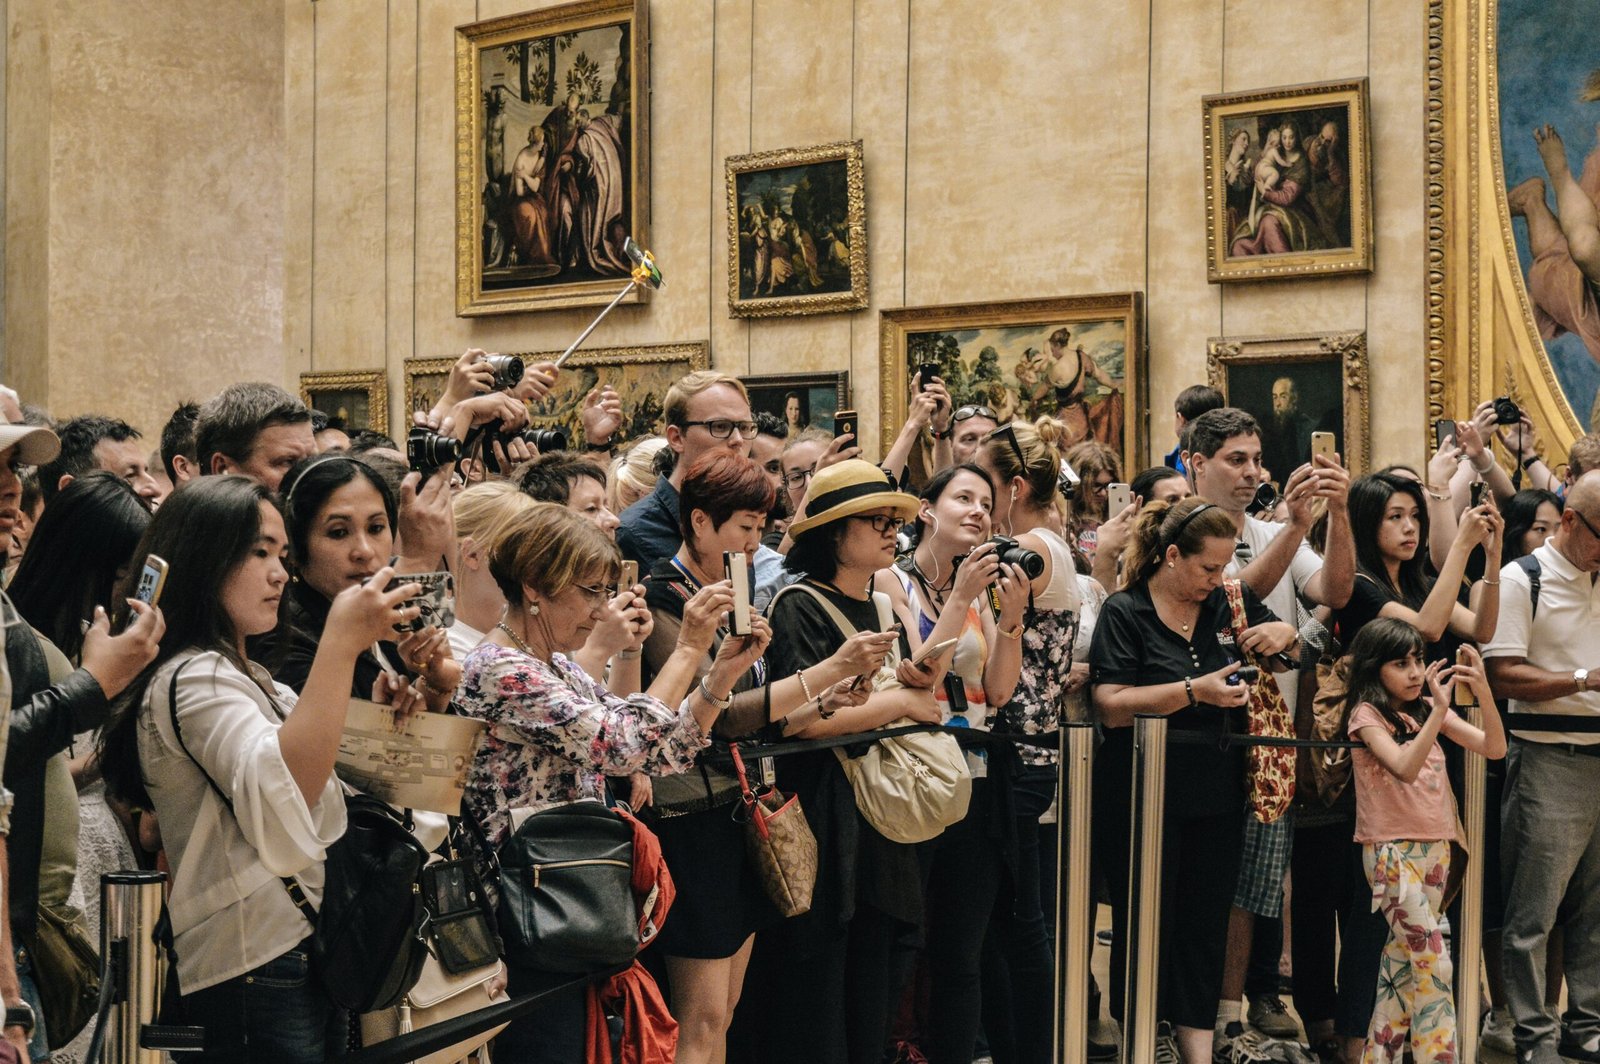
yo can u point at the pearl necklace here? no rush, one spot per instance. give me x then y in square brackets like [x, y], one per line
[517, 639]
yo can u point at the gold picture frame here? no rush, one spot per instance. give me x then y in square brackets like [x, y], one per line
[359, 398]
[797, 224]
[1017, 379]
[547, 131]
[640, 373]
[1325, 226]
[1328, 392]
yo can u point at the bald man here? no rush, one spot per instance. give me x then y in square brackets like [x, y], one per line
[1545, 657]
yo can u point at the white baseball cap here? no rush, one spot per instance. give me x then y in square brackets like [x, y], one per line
[35, 445]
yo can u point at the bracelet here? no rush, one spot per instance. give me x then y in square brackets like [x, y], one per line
[718, 703]
[606, 446]
[630, 655]
[1013, 633]
[421, 683]
[823, 712]
[805, 688]
[1436, 496]
[1188, 689]
[1529, 462]
[1487, 467]
[1490, 583]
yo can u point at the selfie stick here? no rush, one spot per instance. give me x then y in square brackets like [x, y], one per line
[644, 272]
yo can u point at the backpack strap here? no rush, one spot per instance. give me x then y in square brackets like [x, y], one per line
[1530, 565]
[845, 627]
[291, 885]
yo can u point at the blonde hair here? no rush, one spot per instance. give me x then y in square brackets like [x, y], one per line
[551, 548]
[809, 434]
[634, 472]
[675, 407]
[483, 512]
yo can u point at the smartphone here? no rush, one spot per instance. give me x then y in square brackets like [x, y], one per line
[926, 372]
[630, 575]
[1443, 429]
[933, 650]
[1322, 443]
[437, 601]
[1477, 493]
[152, 580]
[738, 573]
[1463, 693]
[844, 421]
[1118, 496]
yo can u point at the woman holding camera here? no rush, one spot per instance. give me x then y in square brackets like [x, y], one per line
[555, 732]
[1159, 648]
[949, 589]
[721, 904]
[239, 770]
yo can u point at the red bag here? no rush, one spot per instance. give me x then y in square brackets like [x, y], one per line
[653, 892]
[649, 1033]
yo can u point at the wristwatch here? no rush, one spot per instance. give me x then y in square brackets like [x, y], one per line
[1581, 678]
[590, 445]
[20, 1015]
[945, 435]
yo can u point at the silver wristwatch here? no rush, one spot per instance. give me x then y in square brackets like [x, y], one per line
[1581, 678]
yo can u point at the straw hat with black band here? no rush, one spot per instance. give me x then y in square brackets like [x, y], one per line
[35, 445]
[850, 487]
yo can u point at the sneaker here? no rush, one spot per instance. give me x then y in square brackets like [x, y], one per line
[1103, 1050]
[1103, 936]
[1238, 1044]
[1269, 1016]
[1496, 1031]
[1587, 1050]
[1167, 1046]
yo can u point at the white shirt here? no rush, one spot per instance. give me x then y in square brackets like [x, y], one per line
[1281, 600]
[230, 911]
[1562, 637]
[463, 638]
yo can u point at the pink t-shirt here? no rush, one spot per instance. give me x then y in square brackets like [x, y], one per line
[1391, 810]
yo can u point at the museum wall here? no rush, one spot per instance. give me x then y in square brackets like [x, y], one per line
[144, 193]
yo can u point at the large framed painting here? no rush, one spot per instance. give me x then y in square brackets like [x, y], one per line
[1077, 358]
[1288, 182]
[1297, 385]
[797, 231]
[800, 400]
[552, 156]
[357, 399]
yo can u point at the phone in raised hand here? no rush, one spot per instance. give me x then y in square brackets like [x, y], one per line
[152, 580]
[1322, 443]
[1118, 497]
[844, 421]
[737, 571]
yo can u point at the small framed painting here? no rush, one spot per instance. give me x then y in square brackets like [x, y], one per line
[800, 400]
[357, 399]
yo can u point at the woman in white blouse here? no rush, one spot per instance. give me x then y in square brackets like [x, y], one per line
[243, 787]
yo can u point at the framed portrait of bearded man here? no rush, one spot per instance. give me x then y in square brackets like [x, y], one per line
[552, 156]
[1288, 182]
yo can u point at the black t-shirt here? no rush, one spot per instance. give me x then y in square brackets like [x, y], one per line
[1368, 597]
[1133, 646]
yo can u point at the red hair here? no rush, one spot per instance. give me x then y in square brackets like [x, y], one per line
[720, 485]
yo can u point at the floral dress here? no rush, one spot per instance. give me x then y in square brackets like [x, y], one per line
[555, 734]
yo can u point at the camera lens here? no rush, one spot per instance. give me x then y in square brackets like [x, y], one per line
[1506, 412]
[546, 440]
[1011, 552]
[427, 450]
[507, 371]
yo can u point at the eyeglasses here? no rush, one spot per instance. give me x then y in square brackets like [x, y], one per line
[881, 523]
[1005, 432]
[721, 428]
[973, 410]
[1575, 512]
[600, 593]
[798, 478]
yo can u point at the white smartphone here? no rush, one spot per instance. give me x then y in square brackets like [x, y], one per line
[738, 573]
[1118, 496]
[152, 579]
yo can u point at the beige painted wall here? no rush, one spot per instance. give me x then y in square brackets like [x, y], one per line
[144, 202]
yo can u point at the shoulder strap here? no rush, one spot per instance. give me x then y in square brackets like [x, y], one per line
[1530, 565]
[1238, 619]
[838, 619]
[290, 885]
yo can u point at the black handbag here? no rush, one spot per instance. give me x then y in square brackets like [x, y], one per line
[566, 890]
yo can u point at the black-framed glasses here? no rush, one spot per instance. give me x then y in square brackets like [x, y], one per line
[721, 428]
[798, 478]
[1007, 433]
[881, 523]
[600, 592]
[973, 410]
[1574, 511]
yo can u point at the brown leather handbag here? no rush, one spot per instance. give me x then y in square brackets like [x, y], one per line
[779, 842]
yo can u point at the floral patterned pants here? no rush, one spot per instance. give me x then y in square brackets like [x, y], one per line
[1416, 996]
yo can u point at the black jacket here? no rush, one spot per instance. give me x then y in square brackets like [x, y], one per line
[44, 719]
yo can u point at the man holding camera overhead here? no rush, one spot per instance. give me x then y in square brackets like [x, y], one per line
[1277, 563]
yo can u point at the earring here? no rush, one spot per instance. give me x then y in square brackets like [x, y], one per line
[1171, 566]
[533, 609]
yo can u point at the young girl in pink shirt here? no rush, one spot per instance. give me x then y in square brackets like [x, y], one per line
[1406, 820]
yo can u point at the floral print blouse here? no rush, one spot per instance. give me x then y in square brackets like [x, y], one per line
[555, 734]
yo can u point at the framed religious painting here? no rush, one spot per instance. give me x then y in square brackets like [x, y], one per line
[426, 379]
[1297, 385]
[800, 400]
[640, 374]
[552, 156]
[1080, 359]
[357, 399]
[797, 231]
[1288, 182]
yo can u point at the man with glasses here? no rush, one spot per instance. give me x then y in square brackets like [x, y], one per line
[1545, 658]
[1281, 568]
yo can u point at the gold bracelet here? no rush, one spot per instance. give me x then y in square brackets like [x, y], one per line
[1436, 496]
[1014, 633]
[1491, 583]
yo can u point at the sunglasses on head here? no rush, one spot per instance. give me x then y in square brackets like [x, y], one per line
[973, 410]
[1005, 432]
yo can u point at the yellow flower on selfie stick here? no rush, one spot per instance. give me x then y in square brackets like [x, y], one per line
[644, 273]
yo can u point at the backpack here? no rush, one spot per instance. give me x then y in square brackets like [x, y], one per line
[367, 943]
[1530, 565]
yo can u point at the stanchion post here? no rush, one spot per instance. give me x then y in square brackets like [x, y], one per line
[130, 908]
[1144, 887]
[1470, 933]
[1074, 905]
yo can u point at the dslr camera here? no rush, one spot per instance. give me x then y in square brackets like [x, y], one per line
[546, 440]
[1011, 552]
[427, 450]
[1506, 412]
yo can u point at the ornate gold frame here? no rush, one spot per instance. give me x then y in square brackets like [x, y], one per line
[1349, 349]
[415, 368]
[471, 298]
[1356, 259]
[896, 325]
[849, 152]
[1482, 340]
[374, 382]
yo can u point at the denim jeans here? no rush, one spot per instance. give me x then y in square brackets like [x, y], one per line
[39, 1044]
[271, 1014]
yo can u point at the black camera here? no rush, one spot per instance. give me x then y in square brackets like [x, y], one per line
[1506, 412]
[1011, 552]
[507, 371]
[427, 450]
[546, 440]
[1245, 674]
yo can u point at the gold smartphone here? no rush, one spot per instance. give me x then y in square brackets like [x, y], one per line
[1322, 444]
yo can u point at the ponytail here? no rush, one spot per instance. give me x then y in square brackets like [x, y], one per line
[1185, 524]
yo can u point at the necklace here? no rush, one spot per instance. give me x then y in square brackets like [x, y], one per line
[517, 639]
